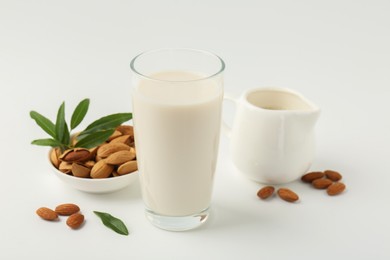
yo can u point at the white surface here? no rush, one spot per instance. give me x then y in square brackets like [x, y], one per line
[336, 53]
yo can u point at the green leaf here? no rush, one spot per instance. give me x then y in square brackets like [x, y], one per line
[107, 122]
[79, 113]
[61, 124]
[113, 223]
[94, 139]
[46, 142]
[44, 123]
[66, 139]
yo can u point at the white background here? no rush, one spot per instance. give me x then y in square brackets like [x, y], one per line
[336, 53]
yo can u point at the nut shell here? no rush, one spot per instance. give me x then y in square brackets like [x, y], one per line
[121, 157]
[81, 171]
[107, 149]
[101, 170]
[127, 167]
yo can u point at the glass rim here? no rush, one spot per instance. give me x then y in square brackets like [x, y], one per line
[221, 69]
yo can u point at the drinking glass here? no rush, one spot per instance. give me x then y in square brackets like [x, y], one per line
[177, 99]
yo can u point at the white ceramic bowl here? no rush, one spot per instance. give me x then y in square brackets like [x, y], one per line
[96, 185]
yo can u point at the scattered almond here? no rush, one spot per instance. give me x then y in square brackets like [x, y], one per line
[311, 176]
[336, 188]
[75, 220]
[321, 183]
[333, 175]
[47, 214]
[67, 209]
[287, 195]
[265, 192]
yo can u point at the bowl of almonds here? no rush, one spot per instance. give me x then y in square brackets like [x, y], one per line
[101, 158]
[107, 167]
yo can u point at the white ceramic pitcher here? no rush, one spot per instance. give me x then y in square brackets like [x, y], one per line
[272, 137]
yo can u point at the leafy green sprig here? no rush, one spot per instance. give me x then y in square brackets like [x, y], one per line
[95, 134]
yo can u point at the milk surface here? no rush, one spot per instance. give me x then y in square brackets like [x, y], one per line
[177, 126]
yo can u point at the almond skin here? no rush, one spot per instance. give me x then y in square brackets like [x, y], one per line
[47, 214]
[336, 188]
[75, 220]
[333, 175]
[265, 192]
[67, 209]
[287, 195]
[311, 176]
[75, 155]
[321, 183]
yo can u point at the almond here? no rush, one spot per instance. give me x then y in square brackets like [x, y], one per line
[81, 171]
[124, 139]
[55, 153]
[114, 135]
[101, 170]
[121, 157]
[89, 164]
[126, 129]
[67, 209]
[75, 155]
[127, 167]
[107, 149]
[65, 167]
[333, 175]
[265, 192]
[311, 176]
[47, 213]
[287, 195]
[75, 220]
[336, 188]
[321, 183]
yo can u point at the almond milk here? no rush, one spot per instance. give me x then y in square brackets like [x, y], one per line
[177, 123]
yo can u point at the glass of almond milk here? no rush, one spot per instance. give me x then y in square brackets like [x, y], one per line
[177, 101]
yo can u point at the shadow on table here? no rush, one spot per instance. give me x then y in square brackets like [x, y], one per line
[225, 217]
[131, 192]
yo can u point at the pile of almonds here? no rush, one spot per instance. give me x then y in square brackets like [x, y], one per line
[115, 157]
[329, 180]
[74, 220]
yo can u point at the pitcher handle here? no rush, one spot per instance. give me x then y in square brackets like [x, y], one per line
[226, 129]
